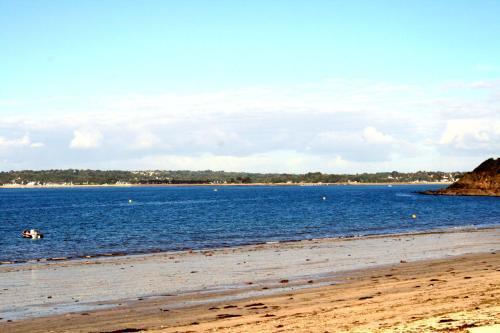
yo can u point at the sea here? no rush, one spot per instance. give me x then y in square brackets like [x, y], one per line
[95, 221]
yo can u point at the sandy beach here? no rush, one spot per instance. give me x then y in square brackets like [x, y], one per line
[249, 166]
[439, 281]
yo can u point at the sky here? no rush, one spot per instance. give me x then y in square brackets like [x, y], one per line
[259, 86]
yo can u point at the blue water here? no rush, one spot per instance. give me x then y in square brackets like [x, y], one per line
[93, 221]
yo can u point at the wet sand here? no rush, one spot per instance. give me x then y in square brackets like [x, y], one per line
[399, 282]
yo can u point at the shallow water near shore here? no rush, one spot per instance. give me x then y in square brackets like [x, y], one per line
[181, 278]
[96, 221]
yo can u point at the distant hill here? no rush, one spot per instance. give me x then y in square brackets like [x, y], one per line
[483, 180]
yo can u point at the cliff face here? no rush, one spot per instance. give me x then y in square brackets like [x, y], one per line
[483, 180]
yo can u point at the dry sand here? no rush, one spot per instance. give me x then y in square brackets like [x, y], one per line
[362, 287]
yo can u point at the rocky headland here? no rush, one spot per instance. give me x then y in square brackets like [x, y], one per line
[483, 180]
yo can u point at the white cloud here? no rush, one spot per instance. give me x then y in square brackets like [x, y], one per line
[145, 140]
[86, 139]
[215, 138]
[472, 134]
[274, 161]
[37, 145]
[372, 135]
[278, 161]
[362, 145]
[23, 141]
[332, 125]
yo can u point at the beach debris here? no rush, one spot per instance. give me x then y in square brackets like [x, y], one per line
[32, 234]
[254, 305]
[125, 330]
[227, 315]
[284, 281]
[57, 259]
[446, 320]
[365, 297]
[230, 306]
[403, 261]
[258, 307]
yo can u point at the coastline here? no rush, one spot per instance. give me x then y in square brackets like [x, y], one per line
[103, 286]
[465, 193]
[17, 186]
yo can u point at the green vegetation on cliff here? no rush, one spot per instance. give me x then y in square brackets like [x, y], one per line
[483, 180]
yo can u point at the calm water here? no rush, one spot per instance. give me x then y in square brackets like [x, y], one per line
[89, 221]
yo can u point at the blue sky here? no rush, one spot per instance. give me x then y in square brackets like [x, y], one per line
[292, 86]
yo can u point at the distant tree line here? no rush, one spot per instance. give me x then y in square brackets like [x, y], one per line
[101, 177]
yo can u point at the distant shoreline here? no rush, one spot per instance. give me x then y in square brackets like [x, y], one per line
[221, 185]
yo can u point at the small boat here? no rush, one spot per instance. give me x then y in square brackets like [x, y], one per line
[32, 234]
